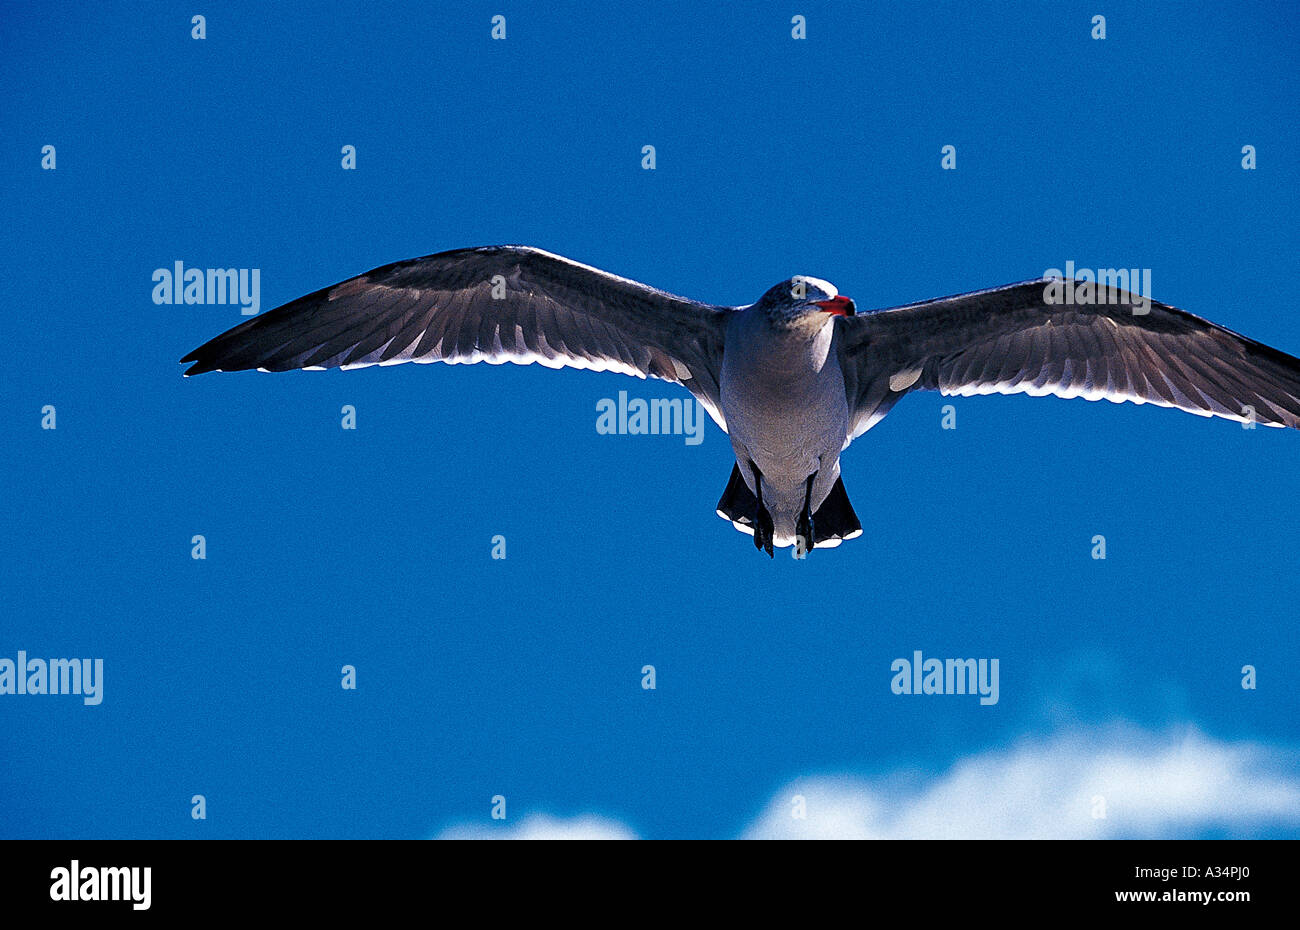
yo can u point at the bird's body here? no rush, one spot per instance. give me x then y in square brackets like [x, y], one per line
[787, 412]
[793, 377]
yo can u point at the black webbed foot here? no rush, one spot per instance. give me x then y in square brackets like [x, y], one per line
[764, 529]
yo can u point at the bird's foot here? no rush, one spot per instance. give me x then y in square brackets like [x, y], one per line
[764, 530]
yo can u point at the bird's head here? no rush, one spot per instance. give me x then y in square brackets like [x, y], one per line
[802, 299]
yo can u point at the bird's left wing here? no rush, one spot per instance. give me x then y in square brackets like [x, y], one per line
[1022, 339]
[495, 304]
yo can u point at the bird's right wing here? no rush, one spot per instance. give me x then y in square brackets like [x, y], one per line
[1015, 339]
[495, 304]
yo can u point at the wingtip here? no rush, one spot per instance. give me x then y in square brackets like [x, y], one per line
[197, 368]
[200, 361]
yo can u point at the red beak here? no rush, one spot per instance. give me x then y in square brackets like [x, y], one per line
[838, 306]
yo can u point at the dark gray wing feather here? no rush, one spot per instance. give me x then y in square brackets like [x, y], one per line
[442, 308]
[1015, 339]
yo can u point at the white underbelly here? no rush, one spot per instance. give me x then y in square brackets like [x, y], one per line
[789, 428]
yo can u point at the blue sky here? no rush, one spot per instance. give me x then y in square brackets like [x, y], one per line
[522, 677]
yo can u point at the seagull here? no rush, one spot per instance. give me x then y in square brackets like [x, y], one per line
[792, 378]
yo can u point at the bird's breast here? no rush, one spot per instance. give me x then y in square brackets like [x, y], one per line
[784, 395]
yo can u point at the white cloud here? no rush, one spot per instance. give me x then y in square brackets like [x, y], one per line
[543, 827]
[1152, 785]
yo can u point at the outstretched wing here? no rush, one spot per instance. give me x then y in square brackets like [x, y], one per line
[495, 304]
[1022, 339]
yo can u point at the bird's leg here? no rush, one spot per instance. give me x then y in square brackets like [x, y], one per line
[763, 527]
[803, 529]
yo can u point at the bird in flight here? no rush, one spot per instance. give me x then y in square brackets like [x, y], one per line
[792, 378]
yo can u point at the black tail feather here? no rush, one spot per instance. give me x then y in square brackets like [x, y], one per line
[834, 519]
[738, 503]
